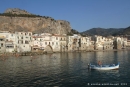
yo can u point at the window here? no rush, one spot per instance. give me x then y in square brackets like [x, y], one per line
[52, 43]
[29, 34]
[1, 44]
[46, 43]
[56, 38]
[56, 43]
[1, 39]
[21, 42]
[26, 42]
[21, 37]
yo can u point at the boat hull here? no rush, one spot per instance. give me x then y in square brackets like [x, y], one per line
[105, 67]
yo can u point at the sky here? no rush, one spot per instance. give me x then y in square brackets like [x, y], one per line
[82, 14]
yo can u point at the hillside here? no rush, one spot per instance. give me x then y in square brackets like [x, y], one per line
[21, 20]
[103, 31]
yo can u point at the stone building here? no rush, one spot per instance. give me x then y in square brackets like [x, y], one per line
[63, 44]
[85, 43]
[23, 40]
[74, 43]
[117, 43]
[98, 45]
[2, 44]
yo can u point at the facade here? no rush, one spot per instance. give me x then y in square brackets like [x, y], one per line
[108, 43]
[85, 43]
[74, 42]
[2, 44]
[9, 41]
[55, 43]
[35, 43]
[63, 43]
[99, 41]
[46, 42]
[23, 40]
[103, 43]
[120, 43]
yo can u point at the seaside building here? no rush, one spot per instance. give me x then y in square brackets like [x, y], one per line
[56, 42]
[120, 42]
[2, 44]
[103, 43]
[47, 38]
[9, 41]
[74, 42]
[35, 43]
[69, 43]
[98, 45]
[23, 40]
[63, 43]
[85, 43]
[108, 43]
[46, 42]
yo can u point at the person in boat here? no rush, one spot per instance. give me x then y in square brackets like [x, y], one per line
[88, 66]
[99, 63]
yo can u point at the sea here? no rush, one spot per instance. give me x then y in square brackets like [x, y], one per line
[65, 70]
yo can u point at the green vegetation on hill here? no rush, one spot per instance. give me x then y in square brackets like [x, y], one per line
[24, 15]
[126, 30]
[103, 31]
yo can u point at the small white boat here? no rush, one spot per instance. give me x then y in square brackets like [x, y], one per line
[104, 67]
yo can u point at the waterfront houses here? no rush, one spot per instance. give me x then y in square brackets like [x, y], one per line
[46, 42]
[103, 43]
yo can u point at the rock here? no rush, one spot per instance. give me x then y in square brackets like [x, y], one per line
[16, 11]
[41, 24]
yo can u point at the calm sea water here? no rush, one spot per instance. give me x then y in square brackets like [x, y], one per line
[64, 70]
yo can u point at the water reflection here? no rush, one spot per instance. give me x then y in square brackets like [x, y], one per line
[62, 69]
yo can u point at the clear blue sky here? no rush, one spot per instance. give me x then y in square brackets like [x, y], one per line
[82, 14]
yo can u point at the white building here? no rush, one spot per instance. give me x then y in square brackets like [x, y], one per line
[85, 43]
[23, 40]
[9, 41]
